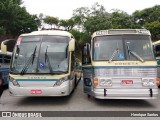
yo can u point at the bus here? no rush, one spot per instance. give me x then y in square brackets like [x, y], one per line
[43, 64]
[156, 46]
[5, 61]
[120, 64]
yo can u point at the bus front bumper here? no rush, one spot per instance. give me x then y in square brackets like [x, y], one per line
[39, 91]
[125, 93]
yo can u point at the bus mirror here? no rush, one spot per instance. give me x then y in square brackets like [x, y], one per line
[71, 45]
[86, 58]
[7, 45]
[80, 64]
[157, 50]
[3, 48]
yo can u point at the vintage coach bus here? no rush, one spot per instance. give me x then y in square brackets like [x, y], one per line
[120, 64]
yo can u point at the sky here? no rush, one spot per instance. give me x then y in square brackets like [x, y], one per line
[63, 9]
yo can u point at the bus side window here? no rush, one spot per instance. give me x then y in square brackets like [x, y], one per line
[1, 61]
[7, 59]
[157, 50]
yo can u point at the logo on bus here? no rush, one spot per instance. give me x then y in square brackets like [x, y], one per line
[126, 63]
[36, 77]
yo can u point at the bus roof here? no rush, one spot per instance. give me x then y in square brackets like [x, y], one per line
[49, 32]
[120, 32]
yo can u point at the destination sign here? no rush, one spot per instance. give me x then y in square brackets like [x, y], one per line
[122, 31]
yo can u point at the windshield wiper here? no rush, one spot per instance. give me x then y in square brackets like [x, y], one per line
[30, 60]
[113, 55]
[48, 61]
[134, 54]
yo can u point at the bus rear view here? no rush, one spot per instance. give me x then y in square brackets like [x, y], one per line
[120, 64]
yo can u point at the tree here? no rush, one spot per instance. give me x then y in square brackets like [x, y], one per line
[41, 17]
[25, 22]
[99, 19]
[15, 19]
[80, 15]
[154, 28]
[121, 20]
[2, 31]
[95, 23]
[67, 24]
[81, 38]
[147, 15]
[51, 21]
[148, 18]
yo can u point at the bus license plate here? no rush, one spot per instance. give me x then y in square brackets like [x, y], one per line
[36, 91]
[127, 82]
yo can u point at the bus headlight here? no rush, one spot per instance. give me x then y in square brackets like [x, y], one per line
[148, 82]
[60, 81]
[14, 82]
[106, 82]
[151, 82]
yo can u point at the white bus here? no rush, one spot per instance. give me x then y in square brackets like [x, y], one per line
[43, 64]
[120, 64]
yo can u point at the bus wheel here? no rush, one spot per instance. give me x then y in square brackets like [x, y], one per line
[89, 97]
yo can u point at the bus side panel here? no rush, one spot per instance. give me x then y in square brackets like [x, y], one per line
[87, 79]
[158, 66]
[4, 72]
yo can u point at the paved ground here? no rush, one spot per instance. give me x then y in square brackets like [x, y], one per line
[77, 101]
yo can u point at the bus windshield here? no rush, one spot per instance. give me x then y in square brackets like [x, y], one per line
[122, 47]
[40, 54]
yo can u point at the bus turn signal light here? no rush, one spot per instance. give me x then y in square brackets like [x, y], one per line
[95, 81]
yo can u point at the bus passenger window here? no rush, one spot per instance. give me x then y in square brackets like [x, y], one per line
[1, 58]
[7, 59]
[157, 50]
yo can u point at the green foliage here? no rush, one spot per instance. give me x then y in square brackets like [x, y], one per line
[81, 37]
[51, 21]
[2, 31]
[85, 20]
[80, 15]
[95, 23]
[154, 28]
[120, 19]
[147, 15]
[96, 18]
[67, 24]
[15, 19]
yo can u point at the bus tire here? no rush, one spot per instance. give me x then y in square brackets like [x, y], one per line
[1, 86]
